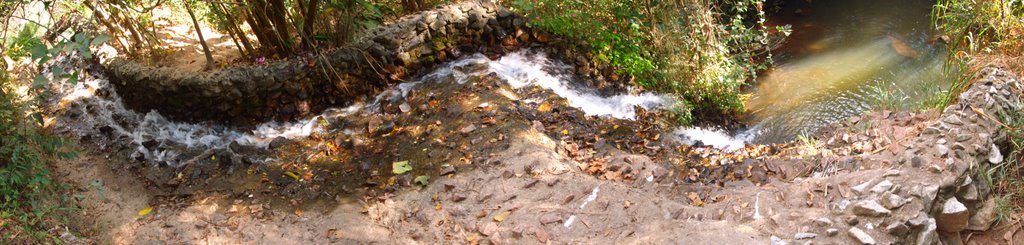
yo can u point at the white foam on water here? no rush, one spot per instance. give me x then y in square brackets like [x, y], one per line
[523, 68]
[165, 138]
[712, 137]
[152, 136]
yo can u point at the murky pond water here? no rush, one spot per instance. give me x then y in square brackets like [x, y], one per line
[844, 58]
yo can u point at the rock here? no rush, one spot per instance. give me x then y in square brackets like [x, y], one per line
[405, 58]
[883, 186]
[804, 236]
[278, 142]
[405, 107]
[447, 170]
[468, 129]
[916, 161]
[891, 172]
[994, 156]
[897, 229]
[983, 217]
[831, 232]
[928, 235]
[861, 236]
[928, 195]
[871, 208]
[488, 228]
[970, 193]
[777, 241]
[823, 222]
[893, 201]
[549, 218]
[918, 221]
[942, 150]
[954, 216]
[859, 189]
[852, 220]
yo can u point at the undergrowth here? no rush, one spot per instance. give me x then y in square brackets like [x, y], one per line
[983, 33]
[701, 51]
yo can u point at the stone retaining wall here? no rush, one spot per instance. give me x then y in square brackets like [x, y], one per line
[945, 192]
[286, 90]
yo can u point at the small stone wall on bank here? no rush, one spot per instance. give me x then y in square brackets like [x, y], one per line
[297, 88]
[948, 193]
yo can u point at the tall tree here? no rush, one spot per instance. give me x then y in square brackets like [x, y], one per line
[199, 31]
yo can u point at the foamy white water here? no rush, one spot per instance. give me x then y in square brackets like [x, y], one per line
[524, 68]
[91, 108]
[711, 137]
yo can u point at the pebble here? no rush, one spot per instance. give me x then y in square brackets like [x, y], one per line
[468, 129]
[861, 236]
[942, 150]
[883, 186]
[824, 222]
[928, 235]
[897, 229]
[870, 207]
[549, 218]
[804, 236]
[954, 216]
[778, 241]
[994, 156]
[893, 201]
[832, 232]
[859, 189]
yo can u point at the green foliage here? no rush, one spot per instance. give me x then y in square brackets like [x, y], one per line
[23, 41]
[977, 27]
[613, 29]
[701, 51]
[25, 148]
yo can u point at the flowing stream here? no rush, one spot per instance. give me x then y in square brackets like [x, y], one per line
[844, 58]
[92, 109]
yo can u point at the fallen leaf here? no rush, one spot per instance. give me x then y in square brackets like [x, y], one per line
[145, 211]
[292, 174]
[401, 167]
[544, 107]
[422, 179]
[502, 216]
[695, 198]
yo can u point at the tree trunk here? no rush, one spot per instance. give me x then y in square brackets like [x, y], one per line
[233, 30]
[259, 15]
[309, 22]
[199, 32]
[114, 31]
[411, 6]
[277, 17]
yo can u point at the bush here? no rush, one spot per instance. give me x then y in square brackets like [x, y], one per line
[700, 51]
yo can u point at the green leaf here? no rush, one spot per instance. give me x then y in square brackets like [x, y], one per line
[39, 82]
[422, 179]
[401, 167]
[38, 51]
[57, 71]
[73, 79]
[102, 38]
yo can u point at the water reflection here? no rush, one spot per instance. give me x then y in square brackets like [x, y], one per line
[845, 58]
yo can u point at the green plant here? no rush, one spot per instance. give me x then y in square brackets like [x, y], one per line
[25, 148]
[612, 29]
[701, 51]
[977, 27]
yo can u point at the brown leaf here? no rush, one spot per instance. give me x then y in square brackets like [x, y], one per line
[502, 216]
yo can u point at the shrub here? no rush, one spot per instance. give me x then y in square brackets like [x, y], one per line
[701, 51]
